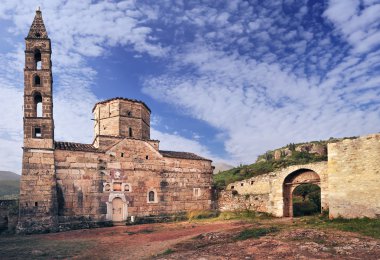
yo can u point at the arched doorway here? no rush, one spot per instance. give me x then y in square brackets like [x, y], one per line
[294, 179]
[117, 209]
[306, 200]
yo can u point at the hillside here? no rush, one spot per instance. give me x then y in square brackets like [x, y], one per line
[5, 175]
[292, 154]
[9, 184]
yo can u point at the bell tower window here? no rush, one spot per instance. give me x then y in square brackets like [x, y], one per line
[37, 132]
[37, 59]
[38, 104]
[37, 80]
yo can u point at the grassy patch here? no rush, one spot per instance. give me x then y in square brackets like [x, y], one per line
[364, 226]
[32, 247]
[143, 231]
[168, 251]
[255, 233]
[202, 214]
[244, 215]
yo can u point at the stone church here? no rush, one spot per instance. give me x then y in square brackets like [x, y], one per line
[121, 176]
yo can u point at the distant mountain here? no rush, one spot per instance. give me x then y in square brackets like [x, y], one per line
[9, 183]
[5, 175]
[220, 167]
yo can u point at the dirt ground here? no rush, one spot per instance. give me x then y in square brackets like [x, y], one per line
[189, 240]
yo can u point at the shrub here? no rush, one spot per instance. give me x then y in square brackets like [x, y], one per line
[304, 208]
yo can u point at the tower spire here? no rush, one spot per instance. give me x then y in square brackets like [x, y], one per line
[37, 29]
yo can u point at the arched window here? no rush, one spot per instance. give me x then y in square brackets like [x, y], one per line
[151, 196]
[37, 80]
[38, 104]
[37, 59]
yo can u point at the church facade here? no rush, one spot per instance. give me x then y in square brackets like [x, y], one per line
[121, 176]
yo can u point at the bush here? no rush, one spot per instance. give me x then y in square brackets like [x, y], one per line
[304, 208]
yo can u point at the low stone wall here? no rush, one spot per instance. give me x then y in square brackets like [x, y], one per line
[232, 201]
[8, 215]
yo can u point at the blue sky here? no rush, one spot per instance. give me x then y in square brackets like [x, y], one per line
[228, 80]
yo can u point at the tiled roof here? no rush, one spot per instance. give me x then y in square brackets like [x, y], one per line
[121, 98]
[75, 147]
[182, 155]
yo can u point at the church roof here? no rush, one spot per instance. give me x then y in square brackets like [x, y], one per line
[182, 155]
[75, 147]
[37, 29]
[70, 146]
[121, 98]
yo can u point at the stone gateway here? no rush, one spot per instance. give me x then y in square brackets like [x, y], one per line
[120, 176]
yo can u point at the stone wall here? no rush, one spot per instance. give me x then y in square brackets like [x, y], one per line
[266, 192]
[354, 177]
[8, 215]
[38, 201]
[231, 201]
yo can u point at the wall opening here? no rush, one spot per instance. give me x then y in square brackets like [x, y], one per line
[130, 133]
[37, 133]
[306, 200]
[37, 59]
[37, 81]
[38, 104]
[291, 182]
[151, 196]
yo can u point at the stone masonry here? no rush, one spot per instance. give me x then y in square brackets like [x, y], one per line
[354, 177]
[121, 176]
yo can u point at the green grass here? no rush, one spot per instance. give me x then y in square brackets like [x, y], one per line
[143, 231]
[27, 247]
[168, 251]
[202, 214]
[364, 226]
[256, 233]
[244, 215]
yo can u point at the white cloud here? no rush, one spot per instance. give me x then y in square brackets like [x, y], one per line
[260, 106]
[358, 24]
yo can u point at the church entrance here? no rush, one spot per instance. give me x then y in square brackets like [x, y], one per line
[117, 209]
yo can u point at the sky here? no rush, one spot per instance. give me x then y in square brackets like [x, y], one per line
[227, 80]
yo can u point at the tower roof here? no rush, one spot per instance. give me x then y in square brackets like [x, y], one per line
[37, 29]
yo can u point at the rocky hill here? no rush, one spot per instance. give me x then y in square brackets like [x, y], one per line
[291, 154]
[9, 184]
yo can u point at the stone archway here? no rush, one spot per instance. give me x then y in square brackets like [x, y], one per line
[294, 179]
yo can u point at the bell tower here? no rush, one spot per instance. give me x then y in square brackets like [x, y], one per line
[38, 203]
